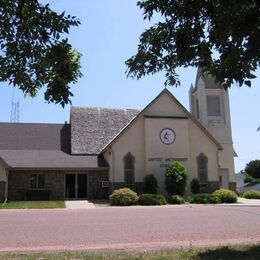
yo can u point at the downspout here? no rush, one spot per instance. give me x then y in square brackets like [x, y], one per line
[112, 168]
[6, 188]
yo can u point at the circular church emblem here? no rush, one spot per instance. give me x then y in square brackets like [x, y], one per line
[167, 136]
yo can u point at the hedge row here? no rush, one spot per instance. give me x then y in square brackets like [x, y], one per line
[127, 197]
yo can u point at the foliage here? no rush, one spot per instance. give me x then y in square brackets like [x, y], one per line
[195, 186]
[33, 51]
[252, 194]
[150, 184]
[221, 38]
[151, 199]
[238, 252]
[48, 204]
[253, 169]
[176, 199]
[226, 196]
[205, 198]
[123, 197]
[175, 178]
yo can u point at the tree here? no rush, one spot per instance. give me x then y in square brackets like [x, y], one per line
[175, 178]
[33, 51]
[220, 36]
[253, 169]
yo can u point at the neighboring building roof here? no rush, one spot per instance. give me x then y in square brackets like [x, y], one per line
[93, 128]
[189, 115]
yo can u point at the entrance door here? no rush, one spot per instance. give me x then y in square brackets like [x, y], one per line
[70, 186]
[76, 186]
[224, 178]
[82, 186]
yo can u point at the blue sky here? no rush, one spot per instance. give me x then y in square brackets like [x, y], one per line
[107, 37]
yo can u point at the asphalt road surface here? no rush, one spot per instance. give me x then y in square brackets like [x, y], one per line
[133, 228]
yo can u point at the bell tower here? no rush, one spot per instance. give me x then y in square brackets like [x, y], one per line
[209, 104]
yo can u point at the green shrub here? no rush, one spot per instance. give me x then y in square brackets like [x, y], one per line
[175, 178]
[195, 186]
[150, 184]
[226, 196]
[176, 199]
[123, 197]
[205, 198]
[252, 194]
[151, 199]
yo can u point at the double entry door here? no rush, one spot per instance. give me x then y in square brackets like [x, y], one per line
[76, 186]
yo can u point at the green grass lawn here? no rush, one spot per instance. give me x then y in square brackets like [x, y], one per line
[234, 253]
[34, 204]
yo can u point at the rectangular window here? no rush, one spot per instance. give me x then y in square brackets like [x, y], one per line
[37, 181]
[213, 106]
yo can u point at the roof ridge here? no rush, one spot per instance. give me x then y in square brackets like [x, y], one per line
[101, 108]
[31, 123]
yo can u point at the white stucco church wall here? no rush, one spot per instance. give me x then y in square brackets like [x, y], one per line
[141, 138]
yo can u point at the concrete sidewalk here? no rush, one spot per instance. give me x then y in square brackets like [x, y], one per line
[249, 202]
[79, 204]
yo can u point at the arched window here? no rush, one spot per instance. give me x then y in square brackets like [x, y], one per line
[129, 166]
[202, 163]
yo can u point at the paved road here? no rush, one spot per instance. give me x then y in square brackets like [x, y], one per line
[127, 228]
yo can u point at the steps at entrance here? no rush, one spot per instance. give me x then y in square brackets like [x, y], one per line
[79, 204]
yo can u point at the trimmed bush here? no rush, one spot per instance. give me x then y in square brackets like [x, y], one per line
[205, 198]
[252, 194]
[150, 184]
[226, 196]
[195, 186]
[175, 178]
[123, 197]
[176, 199]
[151, 199]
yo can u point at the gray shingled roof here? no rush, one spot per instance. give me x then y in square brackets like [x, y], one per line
[49, 159]
[45, 146]
[31, 136]
[93, 128]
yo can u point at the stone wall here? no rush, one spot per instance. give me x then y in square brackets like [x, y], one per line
[138, 186]
[95, 190]
[233, 186]
[19, 182]
[213, 185]
[2, 191]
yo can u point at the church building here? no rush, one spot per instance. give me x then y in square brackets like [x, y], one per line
[102, 149]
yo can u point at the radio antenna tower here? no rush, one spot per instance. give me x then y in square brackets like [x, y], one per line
[14, 117]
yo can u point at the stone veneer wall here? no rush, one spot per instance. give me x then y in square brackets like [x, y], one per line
[95, 190]
[138, 186]
[2, 191]
[19, 182]
[233, 186]
[212, 186]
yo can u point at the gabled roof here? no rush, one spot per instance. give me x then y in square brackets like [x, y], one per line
[93, 128]
[30, 136]
[49, 159]
[189, 115]
[41, 146]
